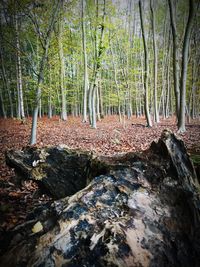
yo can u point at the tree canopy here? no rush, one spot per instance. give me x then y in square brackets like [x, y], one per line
[88, 58]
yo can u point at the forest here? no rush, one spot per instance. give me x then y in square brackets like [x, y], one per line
[99, 133]
[97, 58]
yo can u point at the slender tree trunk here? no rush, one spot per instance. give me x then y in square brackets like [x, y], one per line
[5, 81]
[94, 123]
[19, 71]
[156, 115]
[97, 63]
[49, 97]
[86, 82]
[181, 118]
[101, 100]
[2, 105]
[175, 56]
[40, 108]
[41, 74]
[98, 103]
[168, 85]
[146, 100]
[116, 84]
[63, 114]
[90, 103]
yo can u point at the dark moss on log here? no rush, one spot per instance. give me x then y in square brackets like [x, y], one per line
[60, 171]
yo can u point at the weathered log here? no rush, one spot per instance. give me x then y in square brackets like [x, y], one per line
[59, 170]
[143, 211]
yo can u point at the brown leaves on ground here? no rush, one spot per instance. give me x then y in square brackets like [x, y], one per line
[109, 138]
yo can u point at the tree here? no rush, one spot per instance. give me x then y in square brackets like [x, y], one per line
[19, 73]
[5, 79]
[146, 69]
[156, 115]
[172, 10]
[98, 51]
[185, 51]
[86, 82]
[43, 61]
[62, 64]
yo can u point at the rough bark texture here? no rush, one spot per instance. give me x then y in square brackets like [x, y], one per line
[59, 171]
[143, 211]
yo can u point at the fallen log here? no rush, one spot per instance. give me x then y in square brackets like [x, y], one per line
[142, 210]
[60, 171]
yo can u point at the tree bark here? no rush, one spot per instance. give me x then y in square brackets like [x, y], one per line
[2, 105]
[5, 81]
[86, 82]
[146, 70]
[63, 114]
[97, 59]
[181, 118]
[19, 72]
[116, 84]
[155, 70]
[175, 56]
[41, 73]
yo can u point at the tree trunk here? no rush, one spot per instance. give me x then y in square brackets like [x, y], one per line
[94, 92]
[2, 105]
[156, 115]
[175, 56]
[101, 110]
[19, 72]
[5, 81]
[98, 103]
[86, 82]
[146, 69]
[97, 60]
[116, 84]
[181, 118]
[90, 103]
[41, 74]
[63, 114]
[168, 85]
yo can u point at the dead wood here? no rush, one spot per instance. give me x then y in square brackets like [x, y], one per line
[138, 210]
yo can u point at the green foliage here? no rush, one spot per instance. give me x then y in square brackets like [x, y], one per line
[122, 35]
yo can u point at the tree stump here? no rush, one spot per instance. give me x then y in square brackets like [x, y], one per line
[137, 210]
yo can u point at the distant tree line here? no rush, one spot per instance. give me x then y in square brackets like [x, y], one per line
[93, 58]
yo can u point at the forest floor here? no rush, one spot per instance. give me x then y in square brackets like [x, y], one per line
[109, 138]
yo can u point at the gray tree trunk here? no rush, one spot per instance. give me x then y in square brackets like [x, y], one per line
[41, 73]
[146, 69]
[181, 117]
[175, 56]
[5, 82]
[101, 110]
[155, 70]
[19, 71]
[86, 82]
[2, 105]
[97, 63]
[116, 84]
[98, 103]
[62, 67]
